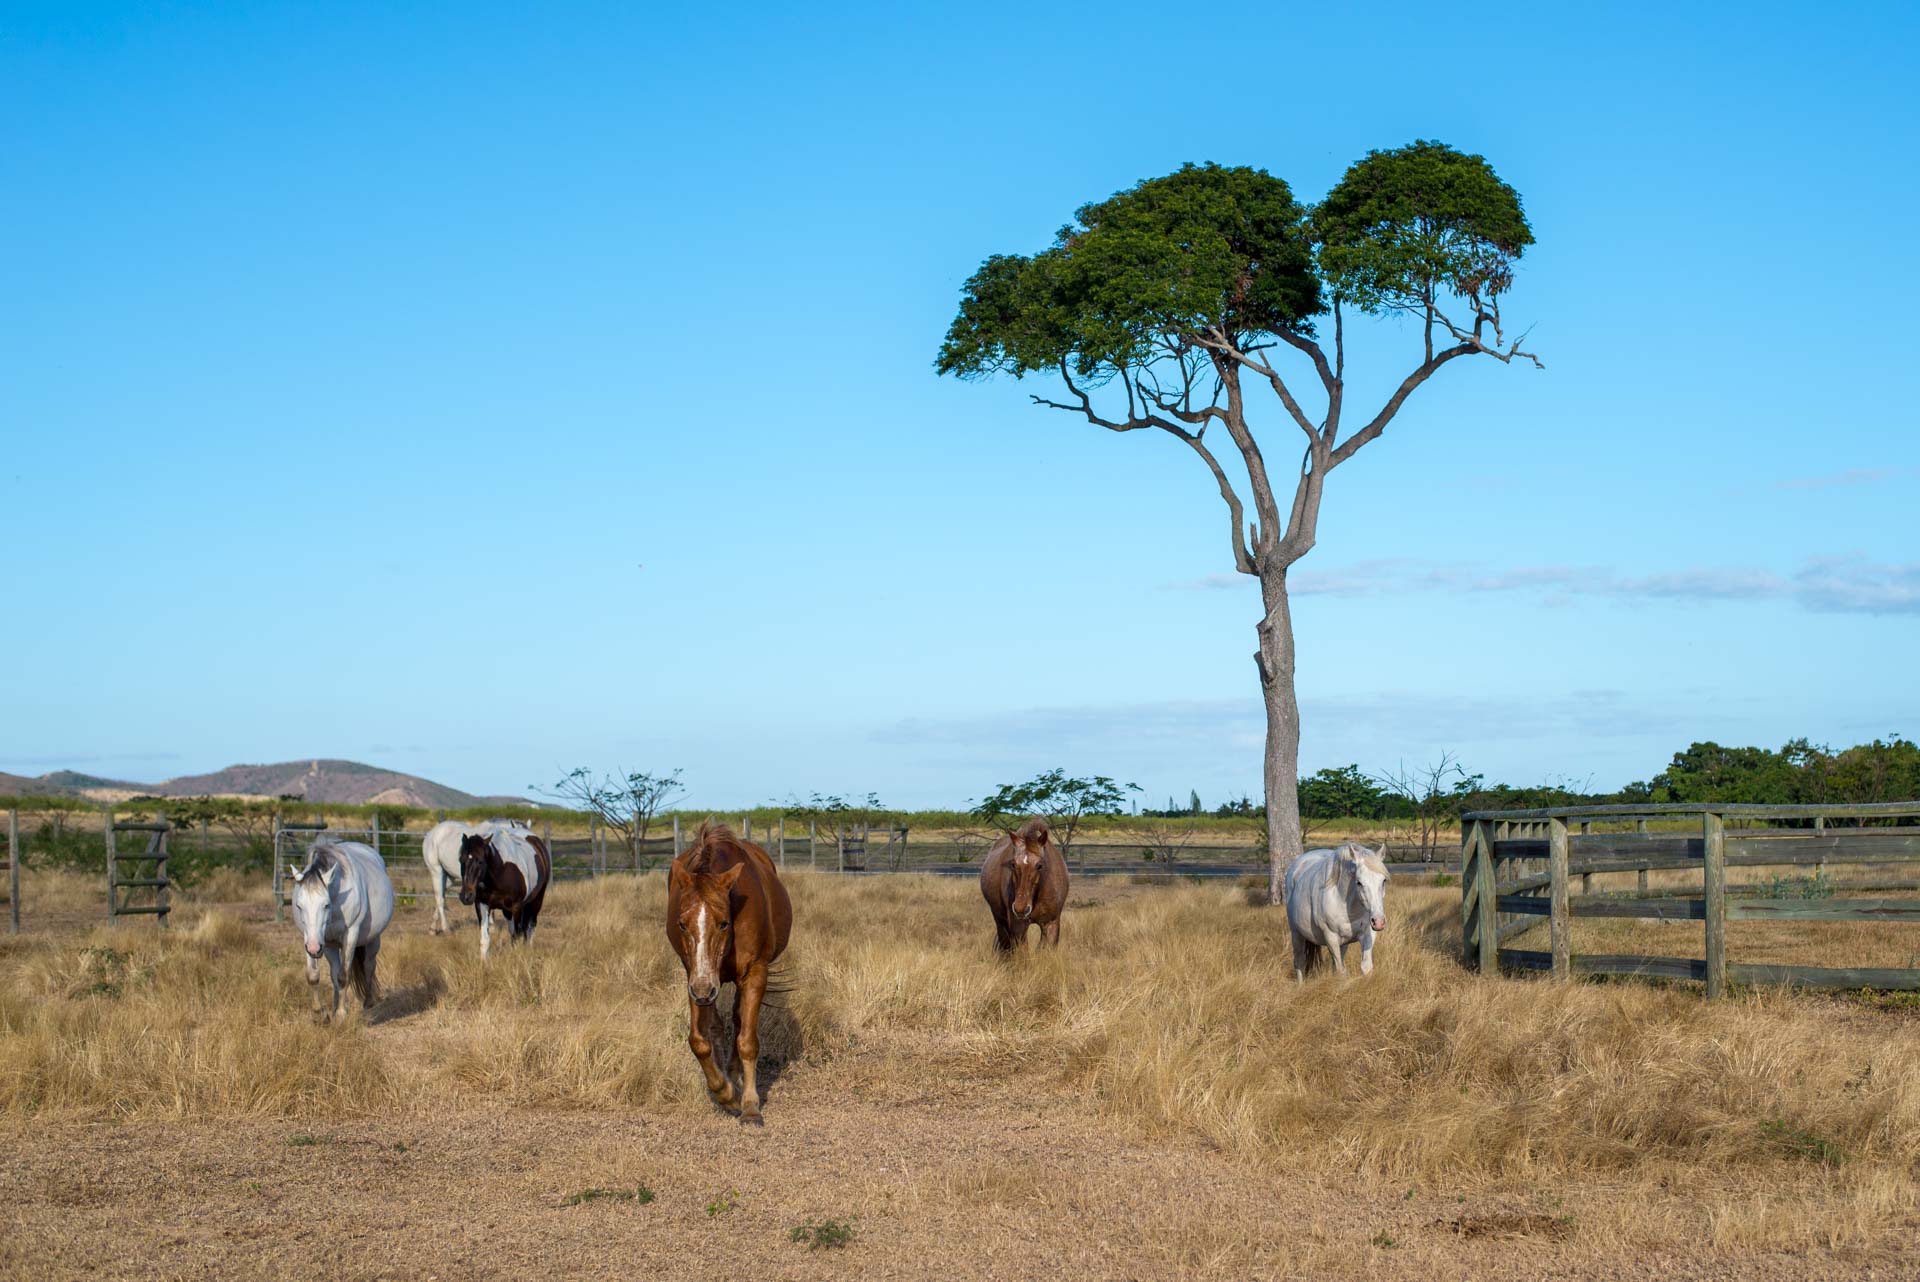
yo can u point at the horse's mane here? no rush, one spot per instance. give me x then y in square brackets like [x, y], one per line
[1368, 857]
[1033, 830]
[320, 856]
[711, 839]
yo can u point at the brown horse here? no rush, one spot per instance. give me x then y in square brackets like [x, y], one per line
[728, 917]
[1024, 879]
[506, 869]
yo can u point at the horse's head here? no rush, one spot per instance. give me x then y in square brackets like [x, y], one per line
[477, 858]
[1029, 848]
[1367, 893]
[312, 901]
[705, 924]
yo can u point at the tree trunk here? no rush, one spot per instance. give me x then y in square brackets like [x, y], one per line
[1275, 660]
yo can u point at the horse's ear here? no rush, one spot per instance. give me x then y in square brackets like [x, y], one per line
[677, 875]
[294, 871]
[1348, 857]
[730, 876]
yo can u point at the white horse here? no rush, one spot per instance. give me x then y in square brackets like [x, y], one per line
[1335, 897]
[342, 900]
[440, 848]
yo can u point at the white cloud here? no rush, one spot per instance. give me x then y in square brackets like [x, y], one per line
[1853, 476]
[1843, 585]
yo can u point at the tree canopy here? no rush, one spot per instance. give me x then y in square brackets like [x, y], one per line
[1215, 254]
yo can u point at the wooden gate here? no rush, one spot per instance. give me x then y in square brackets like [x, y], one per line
[152, 861]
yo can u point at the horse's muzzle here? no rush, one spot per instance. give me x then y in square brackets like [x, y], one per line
[313, 950]
[1379, 923]
[706, 997]
[466, 897]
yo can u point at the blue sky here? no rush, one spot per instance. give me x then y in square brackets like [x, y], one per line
[358, 358]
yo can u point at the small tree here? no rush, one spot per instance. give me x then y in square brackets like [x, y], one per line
[1434, 791]
[1059, 798]
[626, 804]
[1166, 305]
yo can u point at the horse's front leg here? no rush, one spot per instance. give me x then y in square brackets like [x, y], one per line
[486, 931]
[313, 982]
[1366, 949]
[439, 900]
[335, 968]
[747, 995]
[1338, 948]
[1050, 933]
[350, 963]
[700, 1040]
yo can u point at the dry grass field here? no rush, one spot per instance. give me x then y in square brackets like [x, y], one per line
[1158, 1099]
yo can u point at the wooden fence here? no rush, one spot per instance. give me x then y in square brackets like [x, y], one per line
[1510, 857]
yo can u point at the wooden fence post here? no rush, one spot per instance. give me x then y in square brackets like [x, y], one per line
[676, 836]
[840, 845]
[813, 843]
[162, 893]
[113, 871]
[277, 907]
[13, 867]
[1714, 848]
[1469, 906]
[1489, 910]
[746, 827]
[1640, 825]
[1557, 904]
[373, 830]
[780, 839]
[1586, 878]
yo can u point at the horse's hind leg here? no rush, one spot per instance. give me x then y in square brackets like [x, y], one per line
[700, 1040]
[369, 973]
[439, 926]
[746, 1041]
[1302, 957]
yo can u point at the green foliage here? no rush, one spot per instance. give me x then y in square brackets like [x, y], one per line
[1798, 1142]
[1056, 795]
[723, 1204]
[1342, 792]
[1411, 224]
[819, 1235]
[1787, 886]
[640, 1195]
[1208, 246]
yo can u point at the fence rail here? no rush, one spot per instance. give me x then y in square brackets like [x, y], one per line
[1502, 853]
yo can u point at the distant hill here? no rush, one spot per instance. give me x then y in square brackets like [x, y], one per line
[351, 783]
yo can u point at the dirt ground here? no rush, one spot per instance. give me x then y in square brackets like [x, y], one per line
[935, 1185]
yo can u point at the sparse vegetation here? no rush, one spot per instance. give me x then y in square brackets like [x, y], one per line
[723, 1204]
[640, 1195]
[821, 1235]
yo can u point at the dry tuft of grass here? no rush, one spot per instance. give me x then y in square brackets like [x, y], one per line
[1170, 1011]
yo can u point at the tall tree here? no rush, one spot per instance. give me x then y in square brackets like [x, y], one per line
[1164, 305]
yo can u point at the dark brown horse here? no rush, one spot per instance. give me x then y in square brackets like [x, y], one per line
[508, 870]
[728, 917]
[1024, 879]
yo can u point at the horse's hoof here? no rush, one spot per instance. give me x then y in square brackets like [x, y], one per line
[752, 1119]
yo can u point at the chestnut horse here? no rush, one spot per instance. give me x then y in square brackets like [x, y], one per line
[1024, 879]
[728, 917]
[508, 869]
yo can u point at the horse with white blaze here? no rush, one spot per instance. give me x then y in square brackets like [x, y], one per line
[440, 849]
[342, 900]
[1335, 898]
